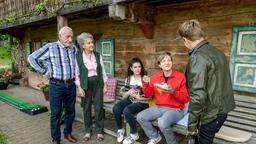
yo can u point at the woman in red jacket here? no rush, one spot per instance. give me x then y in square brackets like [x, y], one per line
[168, 87]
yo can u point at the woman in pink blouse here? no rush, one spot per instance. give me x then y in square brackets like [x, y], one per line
[90, 80]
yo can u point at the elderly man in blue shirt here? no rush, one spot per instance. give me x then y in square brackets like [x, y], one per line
[60, 59]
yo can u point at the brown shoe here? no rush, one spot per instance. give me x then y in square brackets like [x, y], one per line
[70, 138]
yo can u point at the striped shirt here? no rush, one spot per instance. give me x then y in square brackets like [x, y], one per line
[60, 61]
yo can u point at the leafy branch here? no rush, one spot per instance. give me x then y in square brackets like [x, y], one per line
[41, 7]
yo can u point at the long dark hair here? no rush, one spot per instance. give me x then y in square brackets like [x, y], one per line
[135, 60]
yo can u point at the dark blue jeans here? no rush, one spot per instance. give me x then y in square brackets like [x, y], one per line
[207, 131]
[61, 94]
[127, 108]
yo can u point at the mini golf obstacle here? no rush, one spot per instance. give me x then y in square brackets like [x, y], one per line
[22, 105]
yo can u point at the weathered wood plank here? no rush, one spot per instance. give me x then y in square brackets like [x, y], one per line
[62, 21]
[240, 126]
[245, 110]
[242, 115]
[248, 99]
[241, 121]
[246, 104]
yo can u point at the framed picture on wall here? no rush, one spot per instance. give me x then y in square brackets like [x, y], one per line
[106, 48]
[246, 43]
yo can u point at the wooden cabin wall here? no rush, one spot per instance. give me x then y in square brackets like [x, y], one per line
[217, 19]
[46, 32]
[129, 39]
[216, 16]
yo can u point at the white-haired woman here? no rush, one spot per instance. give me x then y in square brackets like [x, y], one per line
[90, 80]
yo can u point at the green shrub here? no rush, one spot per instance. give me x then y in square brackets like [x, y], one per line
[5, 58]
[3, 138]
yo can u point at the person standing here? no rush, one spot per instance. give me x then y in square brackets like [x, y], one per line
[60, 59]
[168, 87]
[91, 81]
[208, 82]
[133, 101]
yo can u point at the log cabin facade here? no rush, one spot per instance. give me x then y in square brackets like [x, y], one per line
[132, 28]
[124, 29]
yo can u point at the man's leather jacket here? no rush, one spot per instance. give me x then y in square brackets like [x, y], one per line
[209, 84]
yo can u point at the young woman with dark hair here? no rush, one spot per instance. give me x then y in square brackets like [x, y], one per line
[133, 101]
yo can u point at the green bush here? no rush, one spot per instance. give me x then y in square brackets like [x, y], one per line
[3, 138]
[5, 58]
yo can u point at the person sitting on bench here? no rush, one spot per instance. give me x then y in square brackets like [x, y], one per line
[133, 101]
[168, 87]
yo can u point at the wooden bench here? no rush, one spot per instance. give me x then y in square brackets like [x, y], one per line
[109, 105]
[240, 124]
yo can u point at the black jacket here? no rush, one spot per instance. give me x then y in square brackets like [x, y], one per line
[209, 84]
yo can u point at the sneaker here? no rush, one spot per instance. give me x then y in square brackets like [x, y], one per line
[100, 137]
[120, 135]
[155, 140]
[87, 136]
[131, 139]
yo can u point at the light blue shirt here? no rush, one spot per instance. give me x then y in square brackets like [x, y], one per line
[60, 61]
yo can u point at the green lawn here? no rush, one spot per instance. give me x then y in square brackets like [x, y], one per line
[3, 138]
[5, 58]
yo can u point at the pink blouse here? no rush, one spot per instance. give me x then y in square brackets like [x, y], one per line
[91, 64]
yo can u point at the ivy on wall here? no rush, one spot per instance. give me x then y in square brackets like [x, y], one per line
[43, 8]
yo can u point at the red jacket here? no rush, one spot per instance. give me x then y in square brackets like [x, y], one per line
[177, 81]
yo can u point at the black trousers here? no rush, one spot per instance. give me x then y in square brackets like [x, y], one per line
[93, 96]
[207, 131]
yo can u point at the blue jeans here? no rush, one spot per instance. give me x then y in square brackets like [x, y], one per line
[129, 109]
[207, 131]
[58, 94]
[165, 118]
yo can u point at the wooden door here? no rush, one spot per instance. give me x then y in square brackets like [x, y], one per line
[105, 46]
[243, 58]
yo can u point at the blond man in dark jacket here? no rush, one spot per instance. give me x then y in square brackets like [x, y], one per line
[208, 82]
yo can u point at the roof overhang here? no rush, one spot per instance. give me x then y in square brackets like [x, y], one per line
[76, 11]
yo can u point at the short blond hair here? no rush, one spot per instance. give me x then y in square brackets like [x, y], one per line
[191, 29]
[162, 55]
